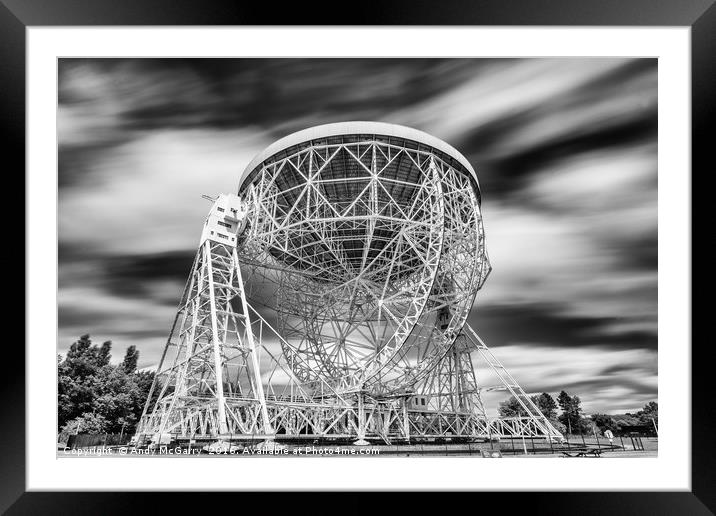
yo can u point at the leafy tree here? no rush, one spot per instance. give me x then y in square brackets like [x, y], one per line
[546, 404]
[87, 423]
[626, 420]
[605, 422]
[588, 426]
[129, 364]
[511, 408]
[113, 396]
[571, 415]
[650, 410]
[84, 359]
[104, 352]
[564, 400]
[76, 379]
[559, 426]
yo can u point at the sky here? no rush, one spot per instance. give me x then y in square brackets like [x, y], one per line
[565, 151]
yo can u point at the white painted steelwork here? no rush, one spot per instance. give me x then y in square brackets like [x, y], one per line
[366, 239]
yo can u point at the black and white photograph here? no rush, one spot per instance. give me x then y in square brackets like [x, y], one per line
[408, 254]
[392, 257]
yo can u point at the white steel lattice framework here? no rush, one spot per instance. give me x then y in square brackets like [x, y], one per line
[365, 242]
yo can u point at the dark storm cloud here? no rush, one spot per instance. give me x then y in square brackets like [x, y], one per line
[619, 369]
[589, 386]
[565, 150]
[275, 94]
[127, 276]
[548, 325]
[504, 176]
[586, 388]
[644, 252]
[75, 163]
[135, 275]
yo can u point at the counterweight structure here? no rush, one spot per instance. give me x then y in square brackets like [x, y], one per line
[329, 300]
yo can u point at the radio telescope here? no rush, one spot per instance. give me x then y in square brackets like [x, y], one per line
[364, 243]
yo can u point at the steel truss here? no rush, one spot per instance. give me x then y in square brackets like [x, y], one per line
[369, 260]
[257, 394]
[371, 255]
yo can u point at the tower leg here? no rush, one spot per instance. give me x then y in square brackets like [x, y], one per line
[209, 383]
[258, 381]
[535, 424]
[361, 421]
[217, 344]
[456, 405]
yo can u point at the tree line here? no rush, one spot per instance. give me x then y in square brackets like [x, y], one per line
[94, 396]
[572, 420]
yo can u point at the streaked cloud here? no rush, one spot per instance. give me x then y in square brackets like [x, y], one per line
[565, 150]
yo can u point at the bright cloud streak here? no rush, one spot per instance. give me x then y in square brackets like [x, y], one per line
[565, 150]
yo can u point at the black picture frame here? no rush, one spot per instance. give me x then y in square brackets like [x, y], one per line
[700, 15]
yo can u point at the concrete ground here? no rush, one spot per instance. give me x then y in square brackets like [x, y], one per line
[516, 449]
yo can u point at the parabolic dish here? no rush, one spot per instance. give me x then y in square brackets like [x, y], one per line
[372, 237]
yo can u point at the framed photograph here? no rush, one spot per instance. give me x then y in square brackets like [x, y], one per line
[359, 257]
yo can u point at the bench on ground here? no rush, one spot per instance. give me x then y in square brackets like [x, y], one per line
[594, 452]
